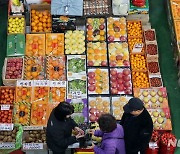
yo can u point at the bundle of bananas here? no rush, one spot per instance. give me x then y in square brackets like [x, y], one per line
[16, 2]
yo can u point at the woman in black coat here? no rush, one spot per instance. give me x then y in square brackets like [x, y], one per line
[59, 129]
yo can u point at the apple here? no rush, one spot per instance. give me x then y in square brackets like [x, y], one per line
[120, 75]
[113, 72]
[116, 29]
[93, 118]
[89, 27]
[123, 38]
[114, 91]
[91, 81]
[91, 87]
[126, 71]
[120, 81]
[112, 63]
[126, 78]
[101, 27]
[90, 63]
[126, 63]
[103, 63]
[113, 78]
[111, 38]
[127, 84]
[91, 74]
[92, 110]
[128, 91]
[114, 84]
[121, 88]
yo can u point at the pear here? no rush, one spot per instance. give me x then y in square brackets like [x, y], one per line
[156, 126]
[145, 93]
[154, 120]
[160, 93]
[162, 114]
[160, 120]
[153, 99]
[155, 113]
[145, 99]
[160, 99]
[152, 93]
[154, 105]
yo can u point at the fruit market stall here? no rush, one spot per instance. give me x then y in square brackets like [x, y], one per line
[96, 61]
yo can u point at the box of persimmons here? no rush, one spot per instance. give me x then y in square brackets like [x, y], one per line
[40, 18]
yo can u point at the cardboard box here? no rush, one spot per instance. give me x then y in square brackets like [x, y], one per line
[15, 45]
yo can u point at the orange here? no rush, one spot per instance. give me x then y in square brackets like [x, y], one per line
[90, 32]
[96, 51]
[48, 25]
[90, 51]
[110, 26]
[33, 24]
[33, 11]
[44, 25]
[90, 57]
[97, 57]
[111, 32]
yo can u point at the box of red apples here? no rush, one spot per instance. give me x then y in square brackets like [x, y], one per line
[13, 70]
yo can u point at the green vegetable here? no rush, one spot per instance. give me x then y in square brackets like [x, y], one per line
[77, 85]
[76, 65]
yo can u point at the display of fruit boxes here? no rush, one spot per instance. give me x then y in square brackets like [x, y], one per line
[150, 35]
[140, 79]
[120, 81]
[41, 91]
[56, 68]
[96, 29]
[16, 24]
[76, 65]
[22, 113]
[6, 112]
[34, 68]
[96, 54]
[13, 70]
[39, 113]
[54, 44]
[8, 138]
[34, 139]
[117, 105]
[116, 29]
[138, 62]
[24, 92]
[7, 95]
[155, 81]
[97, 106]
[40, 18]
[132, 42]
[57, 92]
[77, 88]
[80, 114]
[175, 4]
[118, 54]
[98, 81]
[74, 42]
[134, 29]
[35, 44]
[96, 7]
[161, 118]
[153, 66]
[152, 50]
[152, 98]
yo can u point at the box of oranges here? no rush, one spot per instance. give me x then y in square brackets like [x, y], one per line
[40, 18]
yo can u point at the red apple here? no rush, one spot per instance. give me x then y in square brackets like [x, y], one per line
[104, 63]
[113, 78]
[120, 81]
[91, 81]
[93, 118]
[92, 110]
[120, 75]
[101, 27]
[91, 87]
[112, 63]
[126, 71]
[89, 27]
[119, 57]
[114, 84]
[126, 63]
[127, 84]
[114, 91]
[113, 72]
[91, 74]
[123, 38]
[126, 78]
[90, 63]
[121, 87]
[110, 38]
[116, 29]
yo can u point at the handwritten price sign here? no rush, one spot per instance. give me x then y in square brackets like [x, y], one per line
[6, 127]
[32, 146]
[138, 47]
[7, 145]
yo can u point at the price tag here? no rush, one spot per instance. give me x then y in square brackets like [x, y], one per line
[5, 107]
[7, 145]
[6, 127]
[33, 128]
[138, 47]
[32, 146]
[76, 94]
[153, 145]
[41, 83]
[58, 83]
[24, 83]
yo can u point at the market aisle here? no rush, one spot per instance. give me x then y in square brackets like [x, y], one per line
[158, 19]
[3, 36]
